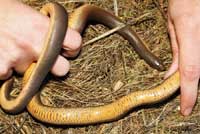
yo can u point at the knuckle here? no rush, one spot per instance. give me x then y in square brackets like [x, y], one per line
[191, 72]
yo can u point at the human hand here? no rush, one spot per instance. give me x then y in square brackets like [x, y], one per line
[22, 32]
[184, 29]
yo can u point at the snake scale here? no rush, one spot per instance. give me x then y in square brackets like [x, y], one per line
[88, 115]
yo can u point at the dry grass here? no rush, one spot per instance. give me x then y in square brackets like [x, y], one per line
[103, 64]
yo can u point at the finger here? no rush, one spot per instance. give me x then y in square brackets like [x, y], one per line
[189, 64]
[24, 58]
[23, 65]
[72, 43]
[189, 73]
[7, 58]
[175, 50]
[61, 66]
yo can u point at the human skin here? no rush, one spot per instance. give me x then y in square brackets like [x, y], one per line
[22, 32]
[184, 29]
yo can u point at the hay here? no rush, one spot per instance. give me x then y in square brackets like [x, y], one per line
[102, 66]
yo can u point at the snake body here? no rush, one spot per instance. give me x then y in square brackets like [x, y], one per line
[99, 114]
[105, 113]
[118, 108]
[86, 13]
[51, 50]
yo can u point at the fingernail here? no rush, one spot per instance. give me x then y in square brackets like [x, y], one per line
[187, 111]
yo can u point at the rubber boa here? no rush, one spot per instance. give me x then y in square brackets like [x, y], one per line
[105, 113]
[52, 47]
[108, 112]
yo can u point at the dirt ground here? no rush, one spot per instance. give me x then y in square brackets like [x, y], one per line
[101, 66]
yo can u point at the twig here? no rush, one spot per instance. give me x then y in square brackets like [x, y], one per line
[105, 34]
[160, 9]
[19, 126]
[157, 119]
[116, 7]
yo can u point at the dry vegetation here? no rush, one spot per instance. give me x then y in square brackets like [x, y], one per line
[103, 64]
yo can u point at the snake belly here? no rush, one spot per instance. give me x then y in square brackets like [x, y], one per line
[50, 51]
[116, 109]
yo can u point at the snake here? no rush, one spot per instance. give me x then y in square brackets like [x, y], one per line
[112, 111]
[52, 47]
[117, 109]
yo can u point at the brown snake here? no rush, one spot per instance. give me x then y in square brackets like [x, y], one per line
[117, 109]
